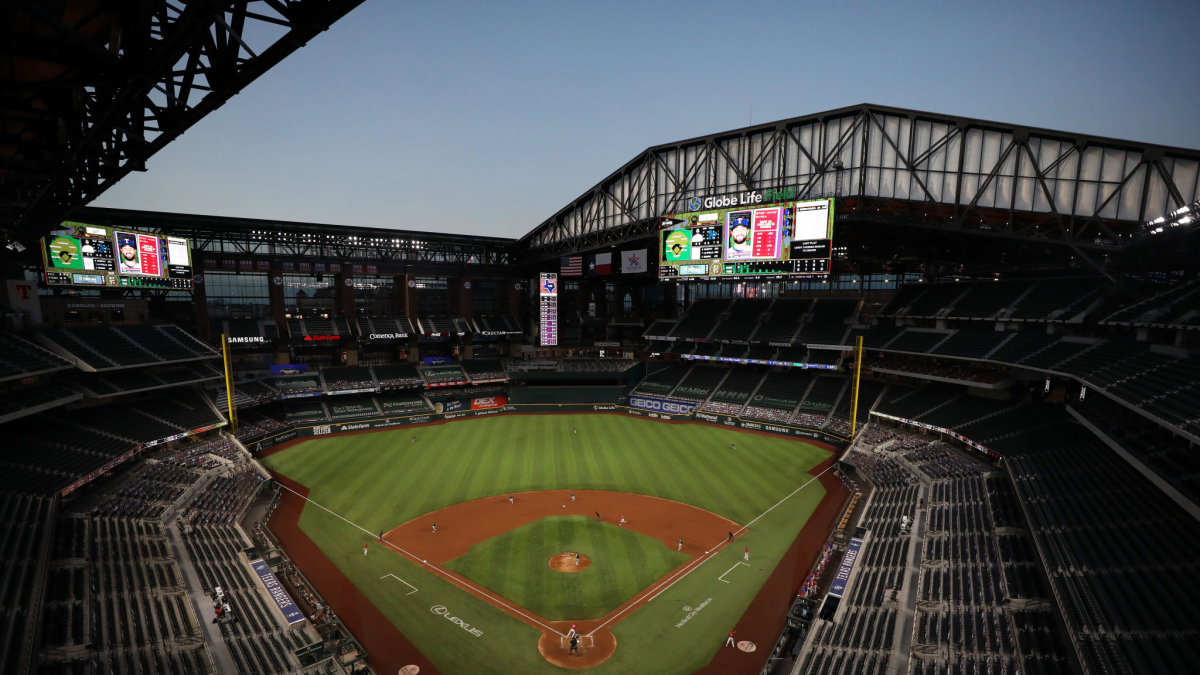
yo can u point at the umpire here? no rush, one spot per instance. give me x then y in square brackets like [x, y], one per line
[574, 646]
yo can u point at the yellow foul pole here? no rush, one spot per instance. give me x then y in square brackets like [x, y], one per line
[229, 383]
[858, 357]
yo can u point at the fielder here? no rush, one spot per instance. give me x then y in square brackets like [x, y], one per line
[622, 520]
[747, 555]
[577, 560]
[414, 439]
[510, 500]
[729, 640]
[681, 543]
[435, 527]
[364, 549]
[572, 496]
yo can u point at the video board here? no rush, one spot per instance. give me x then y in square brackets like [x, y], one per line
[78, 254]
[548, 309]
[743, 235]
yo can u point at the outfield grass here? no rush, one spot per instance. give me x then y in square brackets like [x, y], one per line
[515, 565]
[380, 480]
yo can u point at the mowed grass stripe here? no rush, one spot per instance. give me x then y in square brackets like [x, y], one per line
[516, 565]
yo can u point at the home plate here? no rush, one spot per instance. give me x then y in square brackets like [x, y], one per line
[746, 646]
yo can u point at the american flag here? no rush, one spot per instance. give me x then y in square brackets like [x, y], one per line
[571, 266]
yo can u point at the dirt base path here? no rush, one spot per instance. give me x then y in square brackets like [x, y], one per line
[461, 526]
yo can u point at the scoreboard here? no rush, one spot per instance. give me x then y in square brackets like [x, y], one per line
[78, 254]
[548, 308]
[742, 235]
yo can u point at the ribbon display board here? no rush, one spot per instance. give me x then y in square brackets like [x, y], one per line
[291, 613]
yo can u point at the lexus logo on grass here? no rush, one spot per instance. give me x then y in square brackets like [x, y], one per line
[445, 613]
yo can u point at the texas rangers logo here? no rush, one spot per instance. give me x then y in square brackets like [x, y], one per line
[549, 286]
[694, 204]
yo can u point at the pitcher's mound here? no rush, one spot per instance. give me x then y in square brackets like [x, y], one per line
[565, 562]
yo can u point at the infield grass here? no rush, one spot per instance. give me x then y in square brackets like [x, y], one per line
[380, 480]
[516, 566]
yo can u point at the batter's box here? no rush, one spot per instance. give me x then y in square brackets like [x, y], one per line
[564, 642]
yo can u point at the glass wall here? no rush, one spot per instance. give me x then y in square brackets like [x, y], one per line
[237, 296]
[375, 296]
[433, 296]
[308, 294]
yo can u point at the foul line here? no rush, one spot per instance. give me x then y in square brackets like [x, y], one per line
[722, 577]
[401, 581]
[435, 568]
[708, 555]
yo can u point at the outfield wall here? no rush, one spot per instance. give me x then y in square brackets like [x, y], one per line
[391, 422]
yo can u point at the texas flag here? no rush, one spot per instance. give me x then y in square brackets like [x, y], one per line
[598, 264]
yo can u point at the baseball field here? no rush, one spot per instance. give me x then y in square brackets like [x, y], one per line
[495, 588]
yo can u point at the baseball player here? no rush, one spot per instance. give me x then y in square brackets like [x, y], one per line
[597, 516]
[381, 535]
[510, 500]
[435, 527]
[622, 520]
[572, 496]
[577, 560]
[681, 543]
[729, 640]
[574, 647]
[364, 549]
[732, 446]
[730, 537]
[414, 439]
[572, 633]
[747, 555]
[574, 430]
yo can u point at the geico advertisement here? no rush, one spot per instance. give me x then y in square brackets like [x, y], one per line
[661, 405]
[486, 402]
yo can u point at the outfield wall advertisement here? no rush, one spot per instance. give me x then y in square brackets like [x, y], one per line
[650, 407]
[660, 405]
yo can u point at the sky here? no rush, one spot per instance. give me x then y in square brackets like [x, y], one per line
[488, 117]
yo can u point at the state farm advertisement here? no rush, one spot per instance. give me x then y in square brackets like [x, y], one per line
[487, 402]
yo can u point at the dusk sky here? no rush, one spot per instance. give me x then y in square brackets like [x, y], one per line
[486, 118]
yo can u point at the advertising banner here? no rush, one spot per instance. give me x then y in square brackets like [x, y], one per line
[435, 360]
[451, 406]
[291, 613]
[660, 405]
[487, 402]
[843, 574]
